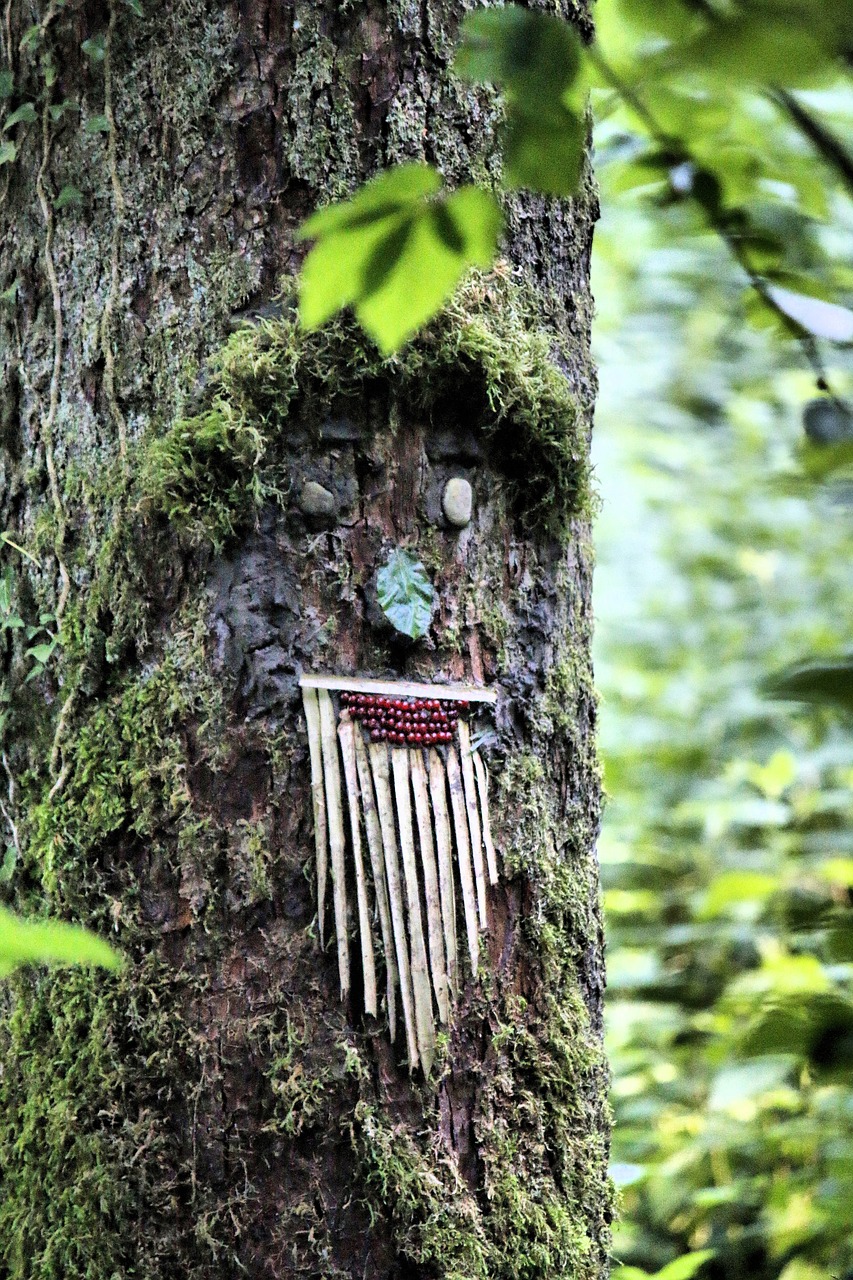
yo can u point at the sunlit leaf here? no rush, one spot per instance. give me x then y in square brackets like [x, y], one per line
[396, 252]
[8, 153]
[672, 18]
[755, 47]
[406, 595]
[26, 941]
[392, 192]
[685, 1267]
[734, 888]
[412, 275]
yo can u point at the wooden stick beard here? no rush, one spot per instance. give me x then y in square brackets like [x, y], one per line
[399, 760]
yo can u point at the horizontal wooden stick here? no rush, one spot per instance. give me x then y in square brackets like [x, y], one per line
[401, 688]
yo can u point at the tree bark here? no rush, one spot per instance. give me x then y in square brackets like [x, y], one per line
[215, 1109]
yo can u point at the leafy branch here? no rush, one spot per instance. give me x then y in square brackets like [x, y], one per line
[397, 250]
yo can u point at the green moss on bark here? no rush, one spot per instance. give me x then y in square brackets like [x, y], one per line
[209, 472]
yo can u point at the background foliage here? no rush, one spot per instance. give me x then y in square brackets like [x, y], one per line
[724, 554]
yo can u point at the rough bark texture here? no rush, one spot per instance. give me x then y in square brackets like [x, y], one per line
[214, 1110]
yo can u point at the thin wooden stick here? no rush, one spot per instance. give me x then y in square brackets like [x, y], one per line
[463, 848]
[346, 733]
[420, 973]
[385, 808]
[473, 820]
[483, 787]
[374, 844]
[435, 931]
[438, 795]
[402, 688]
[318, 799]
[337, 844]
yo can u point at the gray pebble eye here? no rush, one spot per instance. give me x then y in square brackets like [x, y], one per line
[457, 502]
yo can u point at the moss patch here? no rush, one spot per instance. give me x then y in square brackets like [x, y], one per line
[485, 357]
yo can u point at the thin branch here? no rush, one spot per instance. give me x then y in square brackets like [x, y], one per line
[718, 224]
[829, 147]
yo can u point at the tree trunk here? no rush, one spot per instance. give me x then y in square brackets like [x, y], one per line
[216, 1109]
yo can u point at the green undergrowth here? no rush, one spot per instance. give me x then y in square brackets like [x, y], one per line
[485, 357]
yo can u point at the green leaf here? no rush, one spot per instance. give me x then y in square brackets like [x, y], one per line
[8, 152]
[32, 36]
[43, 941]
[823, 683]
[333, 275]
[661, 17]
[135, 7]
[406, 595]
[391, 193]
[416, 268]
[535, 59]
[68, 196]
[10, 859]
[396, 252]
[735, 888]
[25, 114]
[545, 153]
[97, 124]
[685, 1267]
[781, 49]
[58, 109]
[821, 319]
[41, 652]
[95, 48]
[7, 83]
[746, 1080]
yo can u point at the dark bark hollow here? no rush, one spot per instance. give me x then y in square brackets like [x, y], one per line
[215, 1110]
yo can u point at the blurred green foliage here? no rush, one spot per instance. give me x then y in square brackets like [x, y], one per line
[727, 854]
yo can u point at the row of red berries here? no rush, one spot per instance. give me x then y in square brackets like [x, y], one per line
[411, 721]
